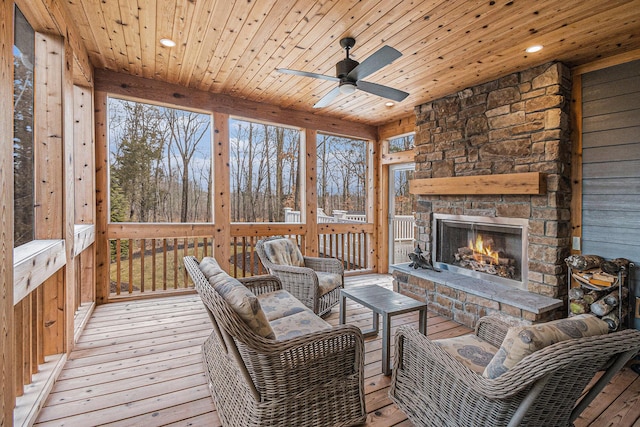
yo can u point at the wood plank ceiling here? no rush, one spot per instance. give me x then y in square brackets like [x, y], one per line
[234, 46]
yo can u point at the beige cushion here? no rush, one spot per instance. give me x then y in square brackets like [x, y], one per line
[521, 341]
[297, 324]
[241, 300]
[283, 252]
[469, 350]
[280, 304]
[328, 281]
[209, 266]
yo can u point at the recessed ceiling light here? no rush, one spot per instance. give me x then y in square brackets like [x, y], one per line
[534, 48]
[167, 42]
[389, 104]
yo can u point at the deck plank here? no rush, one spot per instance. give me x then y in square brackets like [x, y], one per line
[139, 363]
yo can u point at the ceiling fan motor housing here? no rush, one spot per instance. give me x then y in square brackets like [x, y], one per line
[344, 67]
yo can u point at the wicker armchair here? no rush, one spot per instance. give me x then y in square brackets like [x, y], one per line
[315, 379]
[314, 281]
[435, 389]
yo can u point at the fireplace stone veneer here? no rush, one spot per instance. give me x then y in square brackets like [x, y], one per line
[518, 123]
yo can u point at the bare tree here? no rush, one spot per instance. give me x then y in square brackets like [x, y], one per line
[186, 129]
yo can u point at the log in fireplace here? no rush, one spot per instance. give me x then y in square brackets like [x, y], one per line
[489, 248]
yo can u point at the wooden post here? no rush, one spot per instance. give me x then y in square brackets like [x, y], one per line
[383, 210]
[68, 205]
[576, 163]
[310, 201]
[51, 180]
[373, 200]
[221, 190]
[103, 256]
[7, 373]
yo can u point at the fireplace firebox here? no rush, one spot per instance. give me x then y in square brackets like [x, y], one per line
[489, 248]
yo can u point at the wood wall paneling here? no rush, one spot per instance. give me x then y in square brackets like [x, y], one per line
[611, 163]
[7, 345]
[51, 17]
[397, 127]
[49, 178]
[84, 156]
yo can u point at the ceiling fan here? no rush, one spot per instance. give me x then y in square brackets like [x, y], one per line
[349, 74]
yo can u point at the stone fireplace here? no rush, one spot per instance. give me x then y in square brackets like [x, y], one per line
[516, 124]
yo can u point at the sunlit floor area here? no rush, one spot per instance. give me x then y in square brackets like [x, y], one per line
[139, 363]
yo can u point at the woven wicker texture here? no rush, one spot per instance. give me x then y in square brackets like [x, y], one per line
[311, 380]
[302, 282]
[434, 389]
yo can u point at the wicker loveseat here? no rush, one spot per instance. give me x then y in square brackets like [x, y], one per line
[294, 370]
[434, 386]
[314, 281]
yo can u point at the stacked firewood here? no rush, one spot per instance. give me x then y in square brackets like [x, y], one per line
[597, 289]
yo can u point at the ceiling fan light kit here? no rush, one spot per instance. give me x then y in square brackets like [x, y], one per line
[349, 74]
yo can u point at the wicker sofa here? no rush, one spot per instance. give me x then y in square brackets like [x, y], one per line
[436, 386]
[315, 281]
[295, 370]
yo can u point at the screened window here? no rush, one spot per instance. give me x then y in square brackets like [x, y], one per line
[265, 172]
[23, 103]
[160, 163]
[342, 178]
[401, 143]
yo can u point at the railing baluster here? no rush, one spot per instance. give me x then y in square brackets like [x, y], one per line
[143, 247]
[131, 250]
[26, 342]
[154, 246]
[164, 264]
[118, 266]
[175, 263]
[185, 251]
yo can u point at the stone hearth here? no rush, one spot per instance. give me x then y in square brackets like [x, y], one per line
[518, 123]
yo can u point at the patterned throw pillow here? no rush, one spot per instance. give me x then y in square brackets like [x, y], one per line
[283, 252]
[469, 350]
[241, 299]
[522, 341]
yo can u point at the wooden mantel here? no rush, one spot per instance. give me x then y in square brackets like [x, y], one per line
[510, 183]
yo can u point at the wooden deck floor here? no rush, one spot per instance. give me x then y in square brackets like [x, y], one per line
[138, 364]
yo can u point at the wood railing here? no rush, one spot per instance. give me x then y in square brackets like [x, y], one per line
[147, 259]
[153, 264]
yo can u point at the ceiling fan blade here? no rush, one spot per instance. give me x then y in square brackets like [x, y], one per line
[330, 96]
[383, 91]
[307, 74]
[383, 56]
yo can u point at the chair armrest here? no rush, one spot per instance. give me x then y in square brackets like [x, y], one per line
[301, 282]
[327, 265]
[261, 284]
[310, 361]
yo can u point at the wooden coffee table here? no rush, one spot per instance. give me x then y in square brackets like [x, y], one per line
[386, 303]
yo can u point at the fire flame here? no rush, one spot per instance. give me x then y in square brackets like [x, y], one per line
[479, 249]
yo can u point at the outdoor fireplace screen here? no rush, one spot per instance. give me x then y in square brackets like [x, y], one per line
[484, 247]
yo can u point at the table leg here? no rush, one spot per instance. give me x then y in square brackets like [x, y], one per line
[375, 325]
[386, 343]
[422, 322]
[343, 309]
